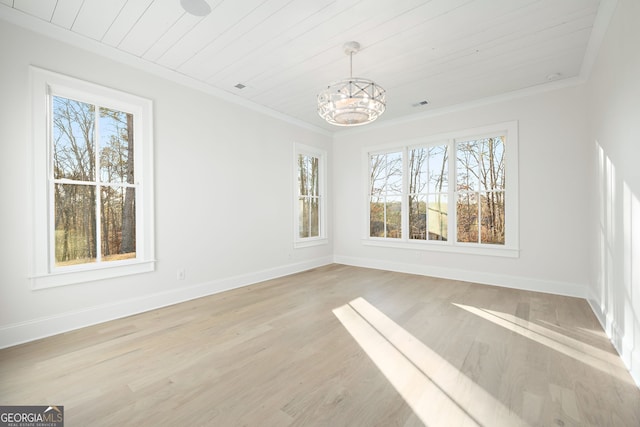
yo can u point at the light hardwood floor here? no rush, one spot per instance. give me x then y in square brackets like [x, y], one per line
[335, 346]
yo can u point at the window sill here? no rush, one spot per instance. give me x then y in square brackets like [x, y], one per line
[446, 247]
[313, 241]
[71, 277]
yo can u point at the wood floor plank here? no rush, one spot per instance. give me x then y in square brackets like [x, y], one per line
[278, 354]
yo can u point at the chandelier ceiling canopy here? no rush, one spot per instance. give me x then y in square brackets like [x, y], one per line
[352, 101]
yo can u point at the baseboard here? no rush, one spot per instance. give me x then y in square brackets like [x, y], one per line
[43, 327]
[515, 282]
[622, 343]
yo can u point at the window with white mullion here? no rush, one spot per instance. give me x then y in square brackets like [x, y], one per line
[310, 187]
[98, 190]
[452, 226]
[453, 194]
[428, 175]
[480, 188]
[91, 149]
[386, 194]
[404, 213]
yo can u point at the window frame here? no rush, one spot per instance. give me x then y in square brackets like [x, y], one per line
[511, 247]
[321, 238]
[43, 271]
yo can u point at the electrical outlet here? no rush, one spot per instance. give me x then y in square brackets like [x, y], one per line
[180, 274]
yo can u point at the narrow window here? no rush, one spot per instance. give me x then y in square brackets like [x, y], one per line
[310, 196]
[480, 188]
[428, 188]
[385, 201]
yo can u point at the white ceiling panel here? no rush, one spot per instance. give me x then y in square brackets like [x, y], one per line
[172, 36]
[159, 17]
[207, 31]
[66, 12]
[96, 16]
[286, 51]
[198, 65]
[125, 21]
[248, 40]
[42, 9]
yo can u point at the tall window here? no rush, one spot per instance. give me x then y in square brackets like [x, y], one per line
[480, 190]
[310, 198]
[428, 192]
[92, 181]
[451, 192]
[386, 195]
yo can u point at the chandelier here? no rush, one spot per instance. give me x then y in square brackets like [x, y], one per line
[352, 101]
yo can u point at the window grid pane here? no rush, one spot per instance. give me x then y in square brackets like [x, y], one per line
[117, 222]
[492, 214]
[438, 217]
[73, 133]
[467, 217]
[116, 146]
[303, 223]
[75, 224]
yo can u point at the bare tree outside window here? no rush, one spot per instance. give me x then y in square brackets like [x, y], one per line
[385, 205]
[480, 190]
[308, 196]
[428, 186]
[447, 193]
[94, 189]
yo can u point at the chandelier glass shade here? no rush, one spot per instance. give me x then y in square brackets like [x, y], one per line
[352, 101]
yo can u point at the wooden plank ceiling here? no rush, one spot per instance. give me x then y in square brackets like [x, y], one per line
[285, 51]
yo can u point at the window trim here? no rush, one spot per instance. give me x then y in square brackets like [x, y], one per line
[43, 273]
[510, 249]
[321, 239]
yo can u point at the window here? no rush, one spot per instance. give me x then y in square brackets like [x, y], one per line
[480, 190]
[386, 195]
[92, 181]
[412, 202]
[428, 192]
[310, 198]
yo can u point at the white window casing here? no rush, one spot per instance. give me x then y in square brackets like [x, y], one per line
[510, 248]
[43, 271]
[321, 155]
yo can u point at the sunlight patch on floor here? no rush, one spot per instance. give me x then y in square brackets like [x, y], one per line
[437, 392]
[580, 351]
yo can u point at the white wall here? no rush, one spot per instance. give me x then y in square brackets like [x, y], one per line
[553, 197]
[614, 144]
[223, 195]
